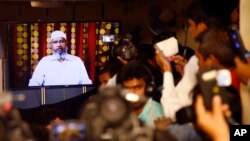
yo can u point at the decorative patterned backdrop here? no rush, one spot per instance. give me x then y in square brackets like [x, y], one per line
[30, 42]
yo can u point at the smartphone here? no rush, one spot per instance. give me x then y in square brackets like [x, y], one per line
[213, 81]
[72, 129]
[169, 47]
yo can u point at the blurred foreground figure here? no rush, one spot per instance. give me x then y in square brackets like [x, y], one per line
[109, 117]
[12, 127]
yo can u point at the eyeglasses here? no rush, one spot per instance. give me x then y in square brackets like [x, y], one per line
[59, 41]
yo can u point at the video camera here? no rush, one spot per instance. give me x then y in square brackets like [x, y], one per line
[125, 49]
[108, 116]
[68, 130]
[211, 82]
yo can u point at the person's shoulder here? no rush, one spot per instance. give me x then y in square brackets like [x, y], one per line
[193, 60]
[155, 103]
[73, 58]
[47, 58]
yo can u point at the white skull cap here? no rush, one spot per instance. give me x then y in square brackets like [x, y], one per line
[57, 34]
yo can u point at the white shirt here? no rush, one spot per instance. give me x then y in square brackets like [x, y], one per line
[173, 98]
[50, 71]
[112, 81]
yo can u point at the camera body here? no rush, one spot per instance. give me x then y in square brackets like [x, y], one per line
[214, 82]
[126, 50]
[68, 130]
[211, 81]
[108, 116]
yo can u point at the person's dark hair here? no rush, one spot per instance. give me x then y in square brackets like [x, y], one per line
[214, 9]
[109, 68]
[163, 36]
[145, 51]
[134, 69]
[146, 56]
[201, 11]
[216, 42]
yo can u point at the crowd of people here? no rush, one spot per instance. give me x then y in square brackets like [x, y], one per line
[215, 50]
[169, 95]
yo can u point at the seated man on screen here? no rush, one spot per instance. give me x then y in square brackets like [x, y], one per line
[60, 68]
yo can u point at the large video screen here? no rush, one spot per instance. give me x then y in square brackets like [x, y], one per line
[88, 47]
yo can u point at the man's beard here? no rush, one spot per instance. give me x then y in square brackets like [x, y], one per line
[60, 54]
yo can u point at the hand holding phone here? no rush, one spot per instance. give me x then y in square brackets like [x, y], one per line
[169, 47]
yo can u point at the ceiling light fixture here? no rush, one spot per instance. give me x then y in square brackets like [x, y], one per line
[47, 4]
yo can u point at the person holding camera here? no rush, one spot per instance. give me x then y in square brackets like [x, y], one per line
[138, 79]
[200, 17]
[121, 55]
[207, 120]
[60, 68]
[214, 50]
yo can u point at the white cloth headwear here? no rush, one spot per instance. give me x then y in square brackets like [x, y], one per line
[57, 34]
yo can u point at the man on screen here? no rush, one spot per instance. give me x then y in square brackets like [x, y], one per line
[60, 68]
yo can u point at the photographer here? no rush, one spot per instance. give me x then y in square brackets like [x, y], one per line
[121, 55]
[214, 50]
[200, 16]
[110, 116]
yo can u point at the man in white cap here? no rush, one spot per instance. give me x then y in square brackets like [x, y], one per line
[60, 68]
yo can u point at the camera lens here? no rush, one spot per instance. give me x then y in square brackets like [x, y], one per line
[113, 109]
[126, 50]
